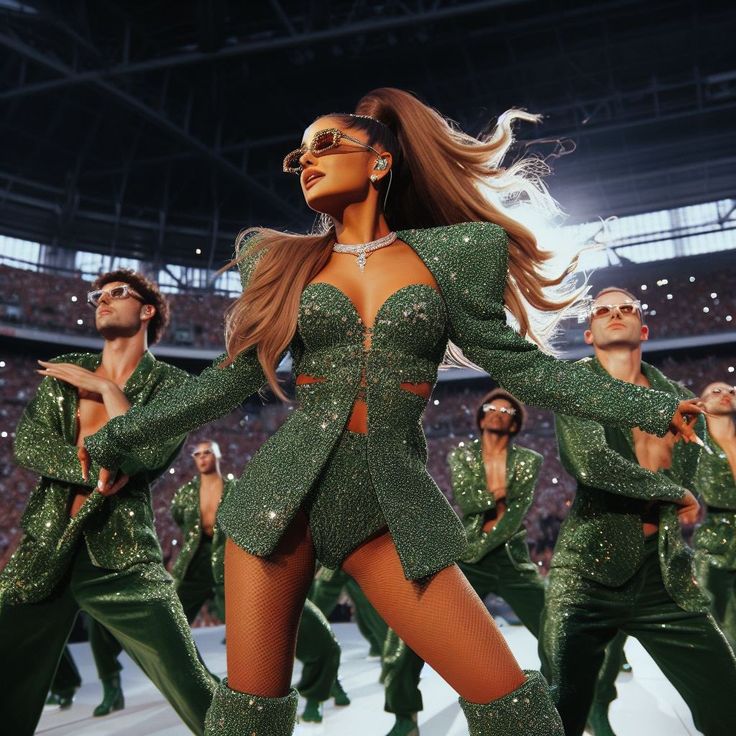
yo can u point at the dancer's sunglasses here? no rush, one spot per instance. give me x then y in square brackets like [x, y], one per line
[500, 409]
[116, 292]
[603, 310]
[322, 141]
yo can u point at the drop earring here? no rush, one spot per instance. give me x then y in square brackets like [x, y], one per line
[373, 178]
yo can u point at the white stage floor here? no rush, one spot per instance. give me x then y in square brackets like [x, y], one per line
[647, 703]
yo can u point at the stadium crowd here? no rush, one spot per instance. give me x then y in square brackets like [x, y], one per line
[676, 304]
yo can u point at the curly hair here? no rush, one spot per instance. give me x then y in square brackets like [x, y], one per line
[499, 393]
[150, 293]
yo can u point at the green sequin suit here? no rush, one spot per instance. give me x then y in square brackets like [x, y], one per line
[606, 577]
[106, 560]
[353, 485]
[715, 539]
[199, 569]
[496, 562]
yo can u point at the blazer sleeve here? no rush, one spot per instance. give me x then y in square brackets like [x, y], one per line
[192, 403]
[40, 445]
[478, 326]
[585, 454]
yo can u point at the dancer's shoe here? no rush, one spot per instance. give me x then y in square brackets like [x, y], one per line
[112, 697]
[405, 726]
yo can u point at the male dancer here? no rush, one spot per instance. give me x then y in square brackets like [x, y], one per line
[493, 482]
[88, 548]
[715, 539]
[620, 563]
[199, 570]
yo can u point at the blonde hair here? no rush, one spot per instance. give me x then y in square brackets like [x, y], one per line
[441, 176]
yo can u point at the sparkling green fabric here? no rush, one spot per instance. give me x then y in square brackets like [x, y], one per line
[412, 327]
[602, 537]
[469, 488]
[527, 711]
[118, 530]
[233, 713]
[186, 512]
[716, 536]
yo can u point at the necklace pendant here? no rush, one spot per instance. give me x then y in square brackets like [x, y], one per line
[361, 260]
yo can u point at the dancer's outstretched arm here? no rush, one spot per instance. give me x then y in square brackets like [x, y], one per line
[478, 327]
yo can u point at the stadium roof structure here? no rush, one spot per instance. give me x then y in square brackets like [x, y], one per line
[156, 130]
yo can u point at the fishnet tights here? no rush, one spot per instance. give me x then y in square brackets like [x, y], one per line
[441, 619]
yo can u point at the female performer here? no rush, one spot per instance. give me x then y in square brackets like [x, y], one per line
[367, 307]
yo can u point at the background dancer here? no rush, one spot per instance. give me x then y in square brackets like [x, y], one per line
[620, 563]
[95, 548]
[715, 539]
[367, 312]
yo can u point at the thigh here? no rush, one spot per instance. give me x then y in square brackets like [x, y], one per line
[32, 638]
[264, 597]
[441, 618]
[577, 624]
[696, 658]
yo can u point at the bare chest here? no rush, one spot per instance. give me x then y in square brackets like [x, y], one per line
[91, 416]
[210, 495]
[653, 453]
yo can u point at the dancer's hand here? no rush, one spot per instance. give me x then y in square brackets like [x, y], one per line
[107, 484]
[689, 508]
[88, 383]
[683, 421]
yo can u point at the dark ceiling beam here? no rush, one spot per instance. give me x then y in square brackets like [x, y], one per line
[271, 44]
[160, 120]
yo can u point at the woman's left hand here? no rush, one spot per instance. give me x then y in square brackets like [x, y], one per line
[682, 423]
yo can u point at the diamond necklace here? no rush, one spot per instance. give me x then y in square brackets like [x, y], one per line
[363, 249]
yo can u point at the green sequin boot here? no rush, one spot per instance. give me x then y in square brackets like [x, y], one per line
[338, 693]
[112, 696]
[405, 726]
[233, 713]
[527, 711]
[312, 711]
[598, 723]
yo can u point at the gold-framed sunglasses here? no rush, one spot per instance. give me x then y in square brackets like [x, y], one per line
[116, 292]
[322, 141]
[626, 308]
[500, 409]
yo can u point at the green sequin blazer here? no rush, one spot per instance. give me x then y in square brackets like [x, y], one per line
[470, 490]
[186, 511]
[716, 536]
[118, 530]
[602, 537]
[410, 334]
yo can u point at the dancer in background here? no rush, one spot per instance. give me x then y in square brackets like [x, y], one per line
[620, 563]
[89, 547]
[715, 539]
[367, 311]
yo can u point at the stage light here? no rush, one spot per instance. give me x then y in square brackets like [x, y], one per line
[198, 251]
[555, 481]
[230, 476]
[706, 309]
[436, 402]
[669, 296]
[2, 364]
[643, 287]
[645, 307]
[80, 321]
[3, 434]
[74, 299]
[730, 369]
[172, 471]
[692, 279]
[713, 295]
[728, 318]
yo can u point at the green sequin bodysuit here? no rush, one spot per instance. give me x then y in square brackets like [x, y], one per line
[469, 263]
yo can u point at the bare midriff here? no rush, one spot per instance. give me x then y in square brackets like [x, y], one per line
[91, 416]
[655, 454]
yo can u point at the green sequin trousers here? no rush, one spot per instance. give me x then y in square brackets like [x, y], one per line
[721, 585]
[233, 713]
[319, 652]
[198, 585]
[581, 618]
[138, 605]
[526, 711]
